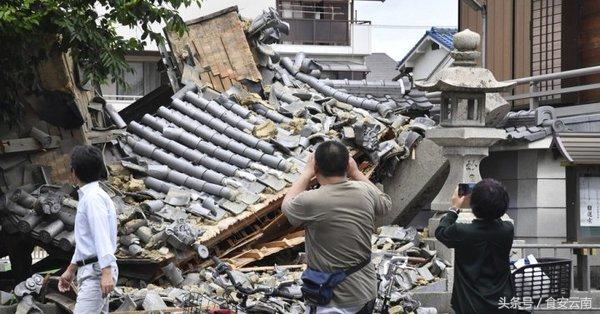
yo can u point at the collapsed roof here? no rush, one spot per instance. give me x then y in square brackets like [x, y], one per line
[208, 169]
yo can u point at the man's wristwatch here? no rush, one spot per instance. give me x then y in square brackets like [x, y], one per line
[454, 210]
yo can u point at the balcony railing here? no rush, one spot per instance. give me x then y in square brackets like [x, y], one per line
[318, 32]
[535, 93]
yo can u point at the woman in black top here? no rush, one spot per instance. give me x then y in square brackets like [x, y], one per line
[481, 269]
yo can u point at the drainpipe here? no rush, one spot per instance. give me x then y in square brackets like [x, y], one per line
[484, 35]
[475, 5]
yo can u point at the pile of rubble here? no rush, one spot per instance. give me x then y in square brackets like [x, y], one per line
[403, 264]
[190, 179]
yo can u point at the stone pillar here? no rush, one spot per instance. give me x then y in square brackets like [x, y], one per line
[464, 133]
[464, 148]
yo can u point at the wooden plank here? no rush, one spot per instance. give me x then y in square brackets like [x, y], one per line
[590, 7]
[216, 80]
[271, 204]
[27, 144]
[522, 46]
[250, 239]
[267, 249]
[469, 19]
[276, 229]
[589, 46]
[226, 83]
[205, 78]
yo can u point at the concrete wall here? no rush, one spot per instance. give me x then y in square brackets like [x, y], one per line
[535, 181]
[536, 184]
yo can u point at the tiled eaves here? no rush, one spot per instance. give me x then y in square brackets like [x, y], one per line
[531, 125]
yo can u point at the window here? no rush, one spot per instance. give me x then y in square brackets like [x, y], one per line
[144, 79]
[135, 80]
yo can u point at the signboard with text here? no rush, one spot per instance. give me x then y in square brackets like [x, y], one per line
[589, 201]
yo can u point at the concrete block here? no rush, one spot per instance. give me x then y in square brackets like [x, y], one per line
[512, 188]
[5, 297]
[445, 253]
[551, 222]
[427, 310]
[153, 302]
[433, 223]
[415, 183]
[527, 193]
[551, 193]
[548, 166]
[439, 300]
[525, 222]
[127, 305]
[425, 273]
[527, 164]
[449, 276]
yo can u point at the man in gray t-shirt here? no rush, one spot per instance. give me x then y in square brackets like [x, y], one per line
[339, 220]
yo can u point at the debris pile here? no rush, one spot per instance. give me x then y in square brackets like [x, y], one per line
[404, 264]
[47, 213]
[204, 175]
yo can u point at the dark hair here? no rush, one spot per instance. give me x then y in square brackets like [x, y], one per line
[87, 163]
[331, 158]
[489, 199]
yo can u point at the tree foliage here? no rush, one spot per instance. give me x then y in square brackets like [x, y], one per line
[31, 30]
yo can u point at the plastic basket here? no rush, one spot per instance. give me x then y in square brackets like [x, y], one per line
[550, 277]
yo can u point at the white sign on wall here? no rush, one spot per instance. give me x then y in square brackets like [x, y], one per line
[589, 201]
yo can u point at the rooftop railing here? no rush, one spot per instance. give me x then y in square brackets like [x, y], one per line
[535, 93]
[318, 32]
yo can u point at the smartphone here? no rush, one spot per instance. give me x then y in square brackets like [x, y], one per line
[465, 189]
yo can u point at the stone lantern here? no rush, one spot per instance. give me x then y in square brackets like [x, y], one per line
[463, 135]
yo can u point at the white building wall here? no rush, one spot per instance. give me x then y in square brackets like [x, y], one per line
[426, 63]
[360, 35]
[249, 9]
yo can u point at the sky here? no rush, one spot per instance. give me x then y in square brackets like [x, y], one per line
[394, 22]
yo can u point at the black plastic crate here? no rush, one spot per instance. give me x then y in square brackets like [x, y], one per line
[550, 277]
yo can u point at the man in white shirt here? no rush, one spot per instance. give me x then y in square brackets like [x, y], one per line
[95, 235]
